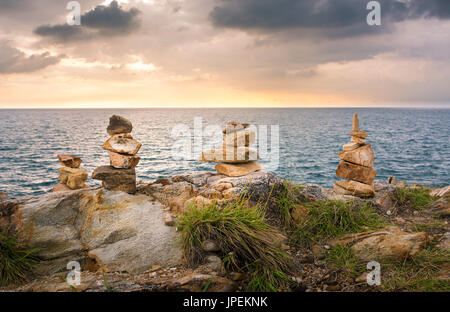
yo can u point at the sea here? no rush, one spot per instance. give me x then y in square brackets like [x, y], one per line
[299, 144]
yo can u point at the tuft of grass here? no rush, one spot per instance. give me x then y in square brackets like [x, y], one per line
[15, 261]
[105, 282]
[417, 198]
[266, 279]
[418, 273]
[344, 258]
[330, 219]
[247, 242]
[286, 201]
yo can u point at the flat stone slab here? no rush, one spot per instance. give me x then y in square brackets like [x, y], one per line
[122, 144]
[116, 179]
[354, 188]
[244, 137]
[354, 172]
[70, 161]
[363, 156]
[230, 154]
[121, 161]
[235, 126]
[238, 170]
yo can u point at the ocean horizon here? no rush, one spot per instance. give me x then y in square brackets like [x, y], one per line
[409, 143]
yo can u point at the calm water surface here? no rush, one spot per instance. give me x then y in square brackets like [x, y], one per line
[412, 144]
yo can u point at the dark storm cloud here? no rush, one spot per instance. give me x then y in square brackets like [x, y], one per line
[13, 60]
[62, 32]
[343, 18]
[101, 21]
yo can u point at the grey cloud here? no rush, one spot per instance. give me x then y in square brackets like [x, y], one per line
[13, 60]
[7, 5]
[330, 18]
[102, 21]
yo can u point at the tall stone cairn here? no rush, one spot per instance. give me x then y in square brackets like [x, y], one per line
[236, 156]
[120, 175]
[72, 177]
[356, 166]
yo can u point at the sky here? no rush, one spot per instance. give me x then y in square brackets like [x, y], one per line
[224, 53]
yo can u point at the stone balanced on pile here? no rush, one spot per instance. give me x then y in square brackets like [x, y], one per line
[71, 175]
[356, 165]
[121, 174]
[236, 156]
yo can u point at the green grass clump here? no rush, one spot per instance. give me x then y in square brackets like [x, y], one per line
[247, 242]
[330, 219]
[419, 273]
[345, 259]
[416, 198]
[15, 262]
[286, 200]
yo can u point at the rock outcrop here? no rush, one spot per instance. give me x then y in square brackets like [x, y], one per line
[236, 156]
[115, 230]
[390, 242]
[120, 175]
[206, 187]
[356, 165]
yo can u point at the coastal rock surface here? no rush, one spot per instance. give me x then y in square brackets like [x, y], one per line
[117, 231]
[205, 187]
[390, 242]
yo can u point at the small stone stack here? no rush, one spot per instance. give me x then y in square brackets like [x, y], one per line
[356, 165]
[71, 175]
[121, 174]
[236, 156]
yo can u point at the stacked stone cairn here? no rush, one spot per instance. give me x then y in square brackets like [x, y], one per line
[356, 165]
[120, 175]
[71, 175]
[236, 156]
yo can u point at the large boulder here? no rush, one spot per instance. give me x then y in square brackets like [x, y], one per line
[121, 232]
[390, 242]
